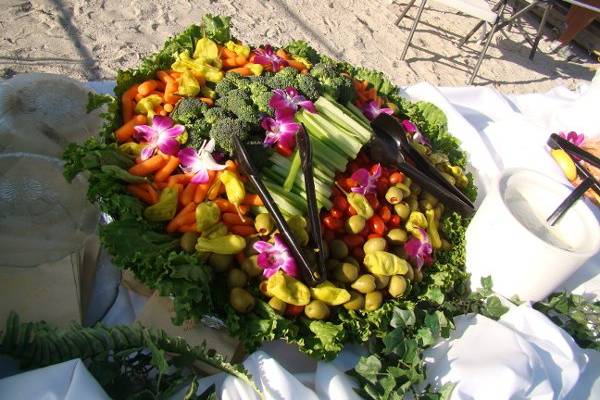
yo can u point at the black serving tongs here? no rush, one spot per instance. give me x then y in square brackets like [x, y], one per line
[389, 145]
[589, 182]
[312, 274]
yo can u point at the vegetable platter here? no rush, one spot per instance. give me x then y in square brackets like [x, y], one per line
[186, 221]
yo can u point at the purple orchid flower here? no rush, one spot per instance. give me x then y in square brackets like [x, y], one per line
[419, 250]
[275, 257]
[573, 137]
[366, 183]
[282, 130]
[286, 102]
[266, 56]
[199, 163]
[160, 135]
[371, 110]
[415, 133]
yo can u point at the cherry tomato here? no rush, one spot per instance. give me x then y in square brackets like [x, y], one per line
[365, 232]
[396, 177]
[374, 168]
[351, 211]
[374, 235]
[373, 201]
[336, 192]
[335, 224]
[328, 235]
[358, 253]
[292, 310]
[385, 172]
[385, 213]
[353, 240]
[376, 225]
[340, 202]
[283, 150]
[395, 220]
[383, 184]
[337, 213]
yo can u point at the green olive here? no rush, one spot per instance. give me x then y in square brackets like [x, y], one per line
[397, 286]
[220, 262]
[407, 181]
[338, 249]
[250, 267]
[316, 309]
[356, 302]
[403, 210]
[394, 195]
[397, 236]
[188, 241]
[241, 300]
[381, 281]
[331, 264]
[374, 244]
[277, 305]
[264, 225]
[404, 187]
[410, 274]
[430, 198]
[351, 260]
[373, 300]
[425, 204]
[415, 189]
[237, 278]
[355, 224]
[413, 203]
[364, 284]
[346, 273]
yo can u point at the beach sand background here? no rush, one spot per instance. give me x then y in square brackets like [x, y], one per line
[91, 39]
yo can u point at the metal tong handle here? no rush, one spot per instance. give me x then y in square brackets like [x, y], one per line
[556, 141]
[253, 175]
[393, 128]
[316, 239]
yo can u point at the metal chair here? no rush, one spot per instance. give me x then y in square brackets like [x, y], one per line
[476, 8]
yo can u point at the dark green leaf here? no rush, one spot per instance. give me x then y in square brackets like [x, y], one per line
[368, 368]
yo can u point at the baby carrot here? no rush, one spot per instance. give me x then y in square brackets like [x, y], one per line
[138, 97]
[235, 219]
[125, 132]
[188, 193]
[148, 166]
[181, 217]
[243, 71]
[226, 206]
[140, 193]
[168, 107]
[127, 103]
[230, 165]
[200, 193]
[241, 60]
[230, 62]
[226, 53]
[170, 87]
[207, 100]
[164, 172]
[214, 190]
[242, 230]
[296, 64]
[188, 228]
[146, 87]
[283, 54]
[252, 200]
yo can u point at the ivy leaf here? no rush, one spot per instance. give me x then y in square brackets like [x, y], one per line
[402, 318]
[494, 307]
[425, 336]
[368, 368]
[158, 356]
[434, 294]
[486, 286]
[394, 342]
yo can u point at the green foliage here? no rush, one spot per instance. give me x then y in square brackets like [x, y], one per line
[333, 83]
[217, 27]
[111, 116]
[117, 357]
[300, 48]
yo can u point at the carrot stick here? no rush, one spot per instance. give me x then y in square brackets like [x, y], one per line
[151, 191]
[201, 191]
[241, 60]
[297, 65]
[140, 193]
[125, 132]
[235, 219]
[167, 170]
[230, 62]
[178, 178]
[170, 87]
[227, 207]
[243, 71]
[188, 228]
[242, 230]
[188, 193]
[127, 103]
[148, 166]
[226, 53]
[146, 87]
[180, 217]
[252, 200]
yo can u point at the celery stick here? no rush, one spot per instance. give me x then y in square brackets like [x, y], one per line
[293, 171]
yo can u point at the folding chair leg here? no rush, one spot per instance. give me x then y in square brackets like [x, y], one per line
[479, 25]
[487, 43]
[404, 12]
[540, 31]
[413, 29]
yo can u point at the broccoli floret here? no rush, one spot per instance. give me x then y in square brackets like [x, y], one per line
[198, 132]
[300, 48]
[238, 102]
[261, 101]
[333, 83]
[286, 77]
[214, 114]
[309, 86]
[188, 110]
[223, 130]
[230, 82]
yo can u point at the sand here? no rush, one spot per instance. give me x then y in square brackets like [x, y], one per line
[90, 40]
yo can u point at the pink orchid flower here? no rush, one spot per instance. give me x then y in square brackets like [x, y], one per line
[415, 133]
[266, 56]
[371, 110]
[419, 250]
[161, 135]
[200, 162]
[366, 183]
[286, 102]
[573, 137]
[275, 257]
[282, 130]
